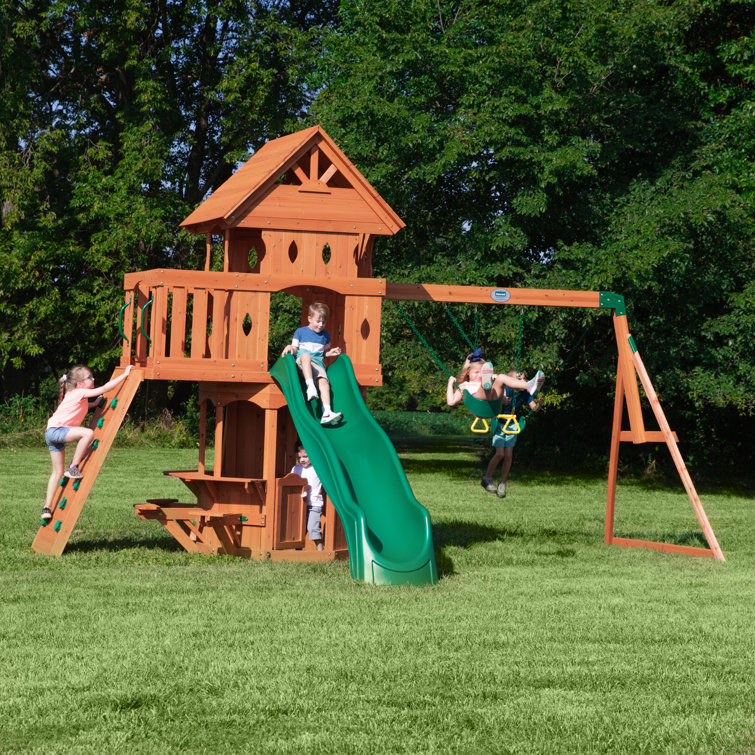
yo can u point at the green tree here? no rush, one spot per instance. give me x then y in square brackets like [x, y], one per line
[117, 119]
[566, 144]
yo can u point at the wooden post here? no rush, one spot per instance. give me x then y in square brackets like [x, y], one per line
[268, 473]
[218, 465]
[226, 248]
[613, 461]
[202, 435]
[634, 407]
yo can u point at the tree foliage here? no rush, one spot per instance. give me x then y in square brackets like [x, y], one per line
[580, 144]
[567, 144]
[118, 118]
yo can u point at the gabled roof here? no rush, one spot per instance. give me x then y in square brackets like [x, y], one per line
[300, 181]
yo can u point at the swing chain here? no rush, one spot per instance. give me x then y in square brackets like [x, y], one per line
[424, 342]
[519, 344]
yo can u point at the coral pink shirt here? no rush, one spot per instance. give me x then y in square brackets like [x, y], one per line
[72, 409]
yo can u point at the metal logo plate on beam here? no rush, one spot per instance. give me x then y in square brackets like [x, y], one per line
[500, 295]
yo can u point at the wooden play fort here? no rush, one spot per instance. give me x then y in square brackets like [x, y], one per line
[299, 218]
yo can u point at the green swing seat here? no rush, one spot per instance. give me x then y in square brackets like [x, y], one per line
[483, 410]
[481, 407]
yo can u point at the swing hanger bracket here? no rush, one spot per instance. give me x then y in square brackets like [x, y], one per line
[608, 300]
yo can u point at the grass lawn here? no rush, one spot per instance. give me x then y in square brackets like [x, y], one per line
[538, 638]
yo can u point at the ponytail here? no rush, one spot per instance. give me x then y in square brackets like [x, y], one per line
[464, 372]
[68, 381]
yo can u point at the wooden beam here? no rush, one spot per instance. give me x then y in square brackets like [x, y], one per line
[631, 392]
[651, 436]
[328, 174]
[300, 174]
[198, 280]
[488, 295]
[314, 160]
[687, 550]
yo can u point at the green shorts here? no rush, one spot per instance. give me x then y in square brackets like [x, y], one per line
[503, 440]
[506, 440]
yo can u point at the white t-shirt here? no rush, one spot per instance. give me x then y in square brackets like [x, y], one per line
[471, 387]
[314, 486]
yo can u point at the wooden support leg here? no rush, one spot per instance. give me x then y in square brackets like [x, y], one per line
[632, 393]
[182, 533]
[613, 461]
[676, 456]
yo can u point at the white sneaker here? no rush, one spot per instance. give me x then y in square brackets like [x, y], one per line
[311, 392]
[331, 418]
[534, 385]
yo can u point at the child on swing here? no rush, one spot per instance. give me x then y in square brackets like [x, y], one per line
[76, 389]
[504, 442]
[478, 378]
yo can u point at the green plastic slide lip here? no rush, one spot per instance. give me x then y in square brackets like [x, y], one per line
[388, 532]
[616, 302]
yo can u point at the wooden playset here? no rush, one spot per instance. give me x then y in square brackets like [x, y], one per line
[299, 218]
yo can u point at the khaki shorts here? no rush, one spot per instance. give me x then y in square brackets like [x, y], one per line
[318, 368]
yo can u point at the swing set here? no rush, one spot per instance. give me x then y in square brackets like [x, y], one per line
[482, 409]
[311, 220]
[630, 367]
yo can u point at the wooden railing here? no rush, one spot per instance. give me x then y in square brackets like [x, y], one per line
[198, 325]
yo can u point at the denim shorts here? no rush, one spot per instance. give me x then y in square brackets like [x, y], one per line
[502, 439]
[56, 438]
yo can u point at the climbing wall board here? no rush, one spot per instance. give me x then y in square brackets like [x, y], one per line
[71, 495]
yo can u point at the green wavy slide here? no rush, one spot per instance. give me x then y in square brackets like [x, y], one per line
[388, 531]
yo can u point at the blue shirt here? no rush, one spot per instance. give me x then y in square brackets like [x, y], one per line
[306, 340]
[521, 399]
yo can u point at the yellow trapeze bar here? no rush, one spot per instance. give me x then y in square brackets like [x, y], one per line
[485, 426]
[510, 426]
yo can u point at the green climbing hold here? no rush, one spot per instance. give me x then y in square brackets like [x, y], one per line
[114, 403]
[57, 526]
[95, 443]
[100, 422]
[63, 481]
[243, 518]
[62, 504]
[76, 484]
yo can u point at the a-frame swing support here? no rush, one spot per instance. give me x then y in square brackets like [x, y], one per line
[630, 367]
